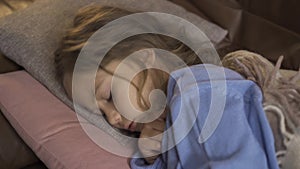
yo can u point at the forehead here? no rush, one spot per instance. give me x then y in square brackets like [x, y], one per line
[125, 71]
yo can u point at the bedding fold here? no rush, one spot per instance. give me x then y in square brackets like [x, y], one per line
[242, 136]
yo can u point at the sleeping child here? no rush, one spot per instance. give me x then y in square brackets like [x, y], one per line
[243, 137]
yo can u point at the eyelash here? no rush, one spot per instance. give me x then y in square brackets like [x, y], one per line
[110, 97]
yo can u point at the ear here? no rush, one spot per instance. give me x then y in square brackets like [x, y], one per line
[148, 57]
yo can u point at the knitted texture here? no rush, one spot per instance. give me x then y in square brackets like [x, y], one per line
[281, 99]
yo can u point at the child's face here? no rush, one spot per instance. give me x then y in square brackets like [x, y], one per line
[103, 89]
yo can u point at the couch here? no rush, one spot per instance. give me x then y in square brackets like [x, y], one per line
[270, 28]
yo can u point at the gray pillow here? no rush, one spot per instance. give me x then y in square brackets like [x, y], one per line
[30, 36]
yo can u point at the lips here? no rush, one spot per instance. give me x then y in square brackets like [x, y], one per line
[132, 126]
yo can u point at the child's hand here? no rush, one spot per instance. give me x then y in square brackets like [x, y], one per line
[151, 147]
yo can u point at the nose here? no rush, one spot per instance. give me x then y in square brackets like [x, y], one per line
[112, 115]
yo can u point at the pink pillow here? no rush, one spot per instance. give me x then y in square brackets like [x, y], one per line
[49, 127]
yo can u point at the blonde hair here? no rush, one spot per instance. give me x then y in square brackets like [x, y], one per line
[91, 18]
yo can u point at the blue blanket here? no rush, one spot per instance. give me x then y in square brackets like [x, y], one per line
[242, 138]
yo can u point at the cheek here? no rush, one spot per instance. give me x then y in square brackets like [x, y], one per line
[126, 101]
[103, 90]
[106, 90]
[133, 97]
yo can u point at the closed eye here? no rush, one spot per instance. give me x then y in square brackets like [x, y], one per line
[109, 97]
